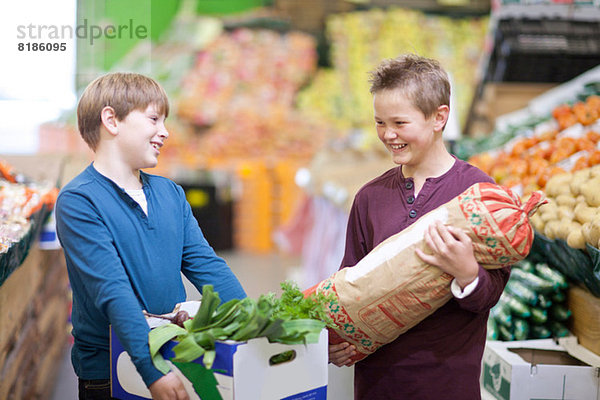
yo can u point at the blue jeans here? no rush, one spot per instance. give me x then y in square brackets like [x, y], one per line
[94, 389]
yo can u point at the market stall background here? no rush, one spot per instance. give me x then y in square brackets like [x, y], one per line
[271, 130]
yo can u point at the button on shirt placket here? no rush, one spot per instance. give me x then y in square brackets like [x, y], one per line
[410, 199]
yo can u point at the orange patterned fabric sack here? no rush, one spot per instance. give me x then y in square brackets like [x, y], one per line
[391, 289]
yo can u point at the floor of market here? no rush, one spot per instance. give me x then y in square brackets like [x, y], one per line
[258, 273]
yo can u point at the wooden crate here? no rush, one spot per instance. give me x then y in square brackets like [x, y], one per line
[16, 297]
[585, 323]
[34, 307]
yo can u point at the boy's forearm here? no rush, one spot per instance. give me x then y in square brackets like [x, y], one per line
[202, 266]
[130, 325]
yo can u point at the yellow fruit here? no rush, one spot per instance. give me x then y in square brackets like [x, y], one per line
[591, 191]
[537, 222]
[565, 227]
[565, 212]
[566, 200]
[595, 171]
[591, 232]
[547, 217]
[551, 228]
[576, 239]
[558, 184]
[579, 177]
[584, 213]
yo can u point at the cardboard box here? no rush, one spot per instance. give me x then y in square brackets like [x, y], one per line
[539, 369]
[585, 323]
[242, 371]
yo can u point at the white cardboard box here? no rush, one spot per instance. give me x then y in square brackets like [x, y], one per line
[242, 371]
[539, 370]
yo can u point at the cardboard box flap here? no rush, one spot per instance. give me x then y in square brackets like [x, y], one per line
[547, 351]
[547, 357]
[571, 344]
[538, 369]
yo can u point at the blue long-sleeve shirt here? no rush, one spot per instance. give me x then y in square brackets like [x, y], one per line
[121, 261]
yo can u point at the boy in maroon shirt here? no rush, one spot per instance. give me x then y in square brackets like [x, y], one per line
[440, 358]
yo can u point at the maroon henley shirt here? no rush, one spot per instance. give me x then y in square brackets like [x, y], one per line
[440, 358]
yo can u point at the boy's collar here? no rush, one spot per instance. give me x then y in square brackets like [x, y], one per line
[144, 177]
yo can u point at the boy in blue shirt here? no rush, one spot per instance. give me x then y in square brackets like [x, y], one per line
[128, 235]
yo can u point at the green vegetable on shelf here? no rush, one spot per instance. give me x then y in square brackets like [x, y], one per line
[492, 329]
[517, 307]
[533, 281]
[532, 306]
[540, 332]
[521, 329]
[544, 271]
[522, 292]
[545, 300]
[558, 329]
[560, 313]
[505, 333]
[538, 316]
[559, 297]
[501, 314]
[525, 265]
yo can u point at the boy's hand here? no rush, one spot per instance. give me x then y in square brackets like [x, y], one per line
[169, 387]
[339, 354]
[452, 252]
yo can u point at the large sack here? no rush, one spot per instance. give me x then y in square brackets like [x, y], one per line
[391, 289]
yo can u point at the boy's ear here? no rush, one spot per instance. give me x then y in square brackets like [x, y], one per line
[109, 119]
[441, 117]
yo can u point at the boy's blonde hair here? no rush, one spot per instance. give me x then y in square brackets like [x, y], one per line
[423, 81]
[124, 92]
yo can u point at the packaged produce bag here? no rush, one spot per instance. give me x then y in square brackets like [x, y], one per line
[391, 289]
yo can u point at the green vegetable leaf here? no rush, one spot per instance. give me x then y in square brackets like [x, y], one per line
[160, 363]
[294, 305]
[301, 331]
[187, 349]
[203, 380]
[209, 358]
[210, 302]
[206, 339]
[224, 311]
[157, 337]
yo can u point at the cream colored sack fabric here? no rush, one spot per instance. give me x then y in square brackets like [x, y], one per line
[391, 289]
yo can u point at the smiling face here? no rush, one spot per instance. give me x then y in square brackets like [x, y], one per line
[122, 92]
[410, 137]
[141, 134]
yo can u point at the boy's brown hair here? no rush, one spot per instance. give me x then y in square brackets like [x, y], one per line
[124, 92]
[423, 81]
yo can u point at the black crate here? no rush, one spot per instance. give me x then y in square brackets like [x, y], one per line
[543, 50]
